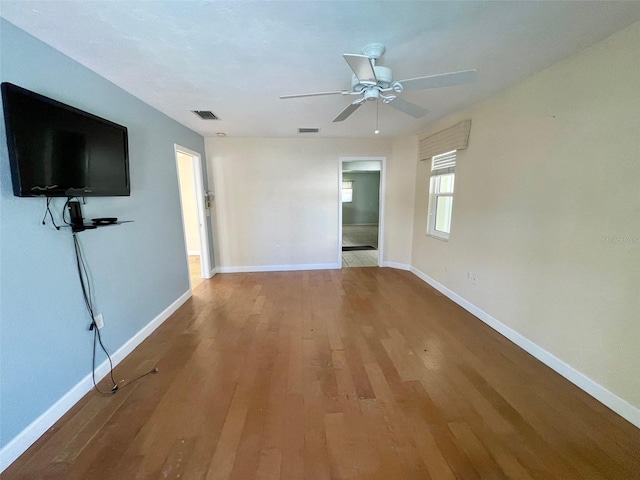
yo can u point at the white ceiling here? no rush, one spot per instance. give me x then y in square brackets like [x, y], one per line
[236, 58]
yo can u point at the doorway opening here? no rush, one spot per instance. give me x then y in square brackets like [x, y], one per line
[361, 211]
[194, 214]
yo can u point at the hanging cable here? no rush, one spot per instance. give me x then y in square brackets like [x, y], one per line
[64, 210]
[377, 131]
[85, 284]
[47, 210]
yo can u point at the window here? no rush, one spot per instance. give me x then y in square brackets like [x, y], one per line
[347, 191]
[441, 195]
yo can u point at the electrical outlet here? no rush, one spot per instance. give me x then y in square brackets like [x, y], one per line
[277, 248]
[471, 277]
[99, 321]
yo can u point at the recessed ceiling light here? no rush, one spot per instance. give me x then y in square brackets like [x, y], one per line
[221, 134]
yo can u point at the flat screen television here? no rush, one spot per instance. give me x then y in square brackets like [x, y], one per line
[56, 150]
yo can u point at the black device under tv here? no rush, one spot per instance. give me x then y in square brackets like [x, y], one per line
[77, 223]
[75, 214]
[57, 150]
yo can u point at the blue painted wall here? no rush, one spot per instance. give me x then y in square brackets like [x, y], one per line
[138, 269]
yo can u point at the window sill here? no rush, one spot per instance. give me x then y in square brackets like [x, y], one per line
[436, 237]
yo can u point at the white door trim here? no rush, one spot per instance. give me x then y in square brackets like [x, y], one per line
[205, 254]
[383, 173]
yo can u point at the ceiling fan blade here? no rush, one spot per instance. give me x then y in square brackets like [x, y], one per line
[416, 111]
[362, 66]
[316, 94]
[352, 107]
[442, 80]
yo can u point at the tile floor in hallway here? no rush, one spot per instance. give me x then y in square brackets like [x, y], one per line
[360, 258]
[360, 235]
[357, 235]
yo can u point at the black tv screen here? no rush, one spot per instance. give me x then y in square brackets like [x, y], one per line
[57, 150]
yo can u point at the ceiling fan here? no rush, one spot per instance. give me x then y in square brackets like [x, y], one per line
[371, 82]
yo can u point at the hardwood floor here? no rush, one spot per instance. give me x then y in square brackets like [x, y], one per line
[195, 271]
[361, 373]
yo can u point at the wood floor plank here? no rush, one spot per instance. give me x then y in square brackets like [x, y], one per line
[176, 458]
[271, 442]
[293, 442]
[388, 461]
[361, 373]
[336, 444]
[433, 458]
[398, 427]
[210, 431]
[225, 452]
[316, 456]
[481, 458]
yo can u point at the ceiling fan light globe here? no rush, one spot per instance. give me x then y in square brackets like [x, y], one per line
[371, 94]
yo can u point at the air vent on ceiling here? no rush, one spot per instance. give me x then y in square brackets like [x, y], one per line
[308, 130]
[206, 114]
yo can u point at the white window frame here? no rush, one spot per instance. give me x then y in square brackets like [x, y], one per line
[441, 165]
[347, 191]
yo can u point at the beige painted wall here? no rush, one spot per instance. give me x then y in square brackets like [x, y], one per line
[547, 212]
[285, 192]
[401, 188]
[189, 207]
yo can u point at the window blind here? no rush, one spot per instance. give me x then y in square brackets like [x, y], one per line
[455, 137]
[444, 163]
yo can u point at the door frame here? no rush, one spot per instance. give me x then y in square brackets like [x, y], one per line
[203, 224]
[383, 174]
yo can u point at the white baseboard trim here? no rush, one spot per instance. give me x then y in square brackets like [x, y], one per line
[597, 391]
[279, 268]
[211, 273]
[21, 442]
[398, 266]
[359, 224]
